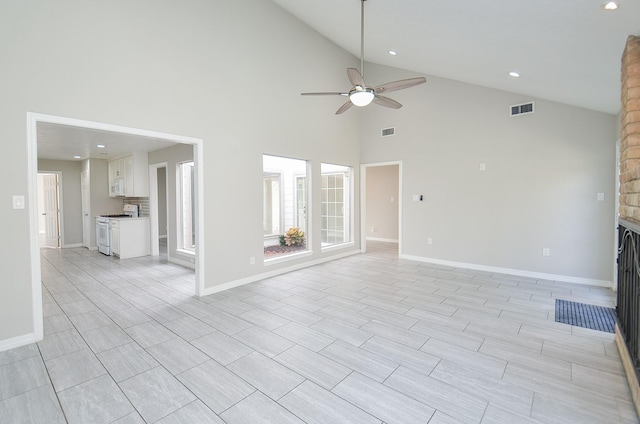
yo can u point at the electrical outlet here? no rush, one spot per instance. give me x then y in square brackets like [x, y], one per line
[483, 166]
[429, 240]
[545, 251]
[252, 260]
[373, 229]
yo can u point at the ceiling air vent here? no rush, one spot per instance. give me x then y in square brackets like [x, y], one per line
[523, 109]
[388, 132]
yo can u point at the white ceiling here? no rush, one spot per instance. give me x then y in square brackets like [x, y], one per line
[63, 142]
[565, 50]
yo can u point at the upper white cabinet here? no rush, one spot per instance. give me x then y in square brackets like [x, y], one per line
[129, 176]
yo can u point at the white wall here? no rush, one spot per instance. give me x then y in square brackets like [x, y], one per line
[182, 68]
[382, 202]
[543, 173]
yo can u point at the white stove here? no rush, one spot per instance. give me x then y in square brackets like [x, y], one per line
[104, 225]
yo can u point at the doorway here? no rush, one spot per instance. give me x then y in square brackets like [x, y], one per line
[158, 209]
[381, 203]
[32, 165]
[49, 209]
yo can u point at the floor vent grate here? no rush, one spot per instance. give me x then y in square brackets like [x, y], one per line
[586, 316]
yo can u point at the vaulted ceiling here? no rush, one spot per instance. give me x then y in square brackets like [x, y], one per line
[567, 51]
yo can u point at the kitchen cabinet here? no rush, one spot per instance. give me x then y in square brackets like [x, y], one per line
[129, 176]
[130, 237]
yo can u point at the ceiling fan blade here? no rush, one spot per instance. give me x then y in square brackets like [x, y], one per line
[386, 102]
[325, 93]
[344, 107]
[355, 77]
[400, 85]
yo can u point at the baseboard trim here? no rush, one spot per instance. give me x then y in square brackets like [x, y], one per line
[70, 246]
[510, 271]
[181, 262]
[629, 370]
[252, 279]
[18, 341]
[386, 240]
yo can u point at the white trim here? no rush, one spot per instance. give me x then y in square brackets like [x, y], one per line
[153, 205]
[186, 252]
[363, 203]
[18, 341]
[32, 170]
[386, 240]
[241, 282]
[510, 271]
[286, 258]
[36, 271]
[70, 246]
[181, 262]
[332, 247]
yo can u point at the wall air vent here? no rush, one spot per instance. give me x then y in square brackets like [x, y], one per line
[388, 132]
[523, 109]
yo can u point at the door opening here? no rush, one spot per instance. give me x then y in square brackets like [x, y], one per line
[49, 209]
[158, 209]
[33, 120]
[381, 204]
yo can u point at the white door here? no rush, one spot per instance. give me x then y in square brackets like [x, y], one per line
[51, 211]
[87, 227]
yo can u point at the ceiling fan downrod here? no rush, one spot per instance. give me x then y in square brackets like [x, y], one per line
[362, 37]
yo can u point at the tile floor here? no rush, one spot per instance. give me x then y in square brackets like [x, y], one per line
[365, 339]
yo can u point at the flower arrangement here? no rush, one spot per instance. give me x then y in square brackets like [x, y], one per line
[294, 237]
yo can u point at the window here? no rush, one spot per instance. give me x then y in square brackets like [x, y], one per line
[284, 215]
[335, 204]
[271, 214]
[186, 210]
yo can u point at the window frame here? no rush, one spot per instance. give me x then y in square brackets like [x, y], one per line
[180, 206]
[348, 202]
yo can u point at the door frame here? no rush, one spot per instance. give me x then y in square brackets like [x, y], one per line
[32, 171]
[153, 205]
[363, 202]
[59, 189]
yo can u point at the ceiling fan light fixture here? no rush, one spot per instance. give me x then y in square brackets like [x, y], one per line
[361, 97]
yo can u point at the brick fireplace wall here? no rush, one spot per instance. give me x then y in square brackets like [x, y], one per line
[630, 132]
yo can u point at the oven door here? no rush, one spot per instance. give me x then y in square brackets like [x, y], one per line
[103, 237]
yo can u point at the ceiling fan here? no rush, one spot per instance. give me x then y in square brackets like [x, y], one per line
[360, 94]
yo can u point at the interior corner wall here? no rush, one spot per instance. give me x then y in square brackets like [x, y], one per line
[71, 198]
[539, 189]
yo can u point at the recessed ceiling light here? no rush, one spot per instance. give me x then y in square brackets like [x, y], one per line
[101, 146]
[76, 157]
[514, 74]
[393, 52]
[612, 5]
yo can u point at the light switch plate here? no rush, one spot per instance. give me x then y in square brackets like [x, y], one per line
[18, 202]
[600, 197]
